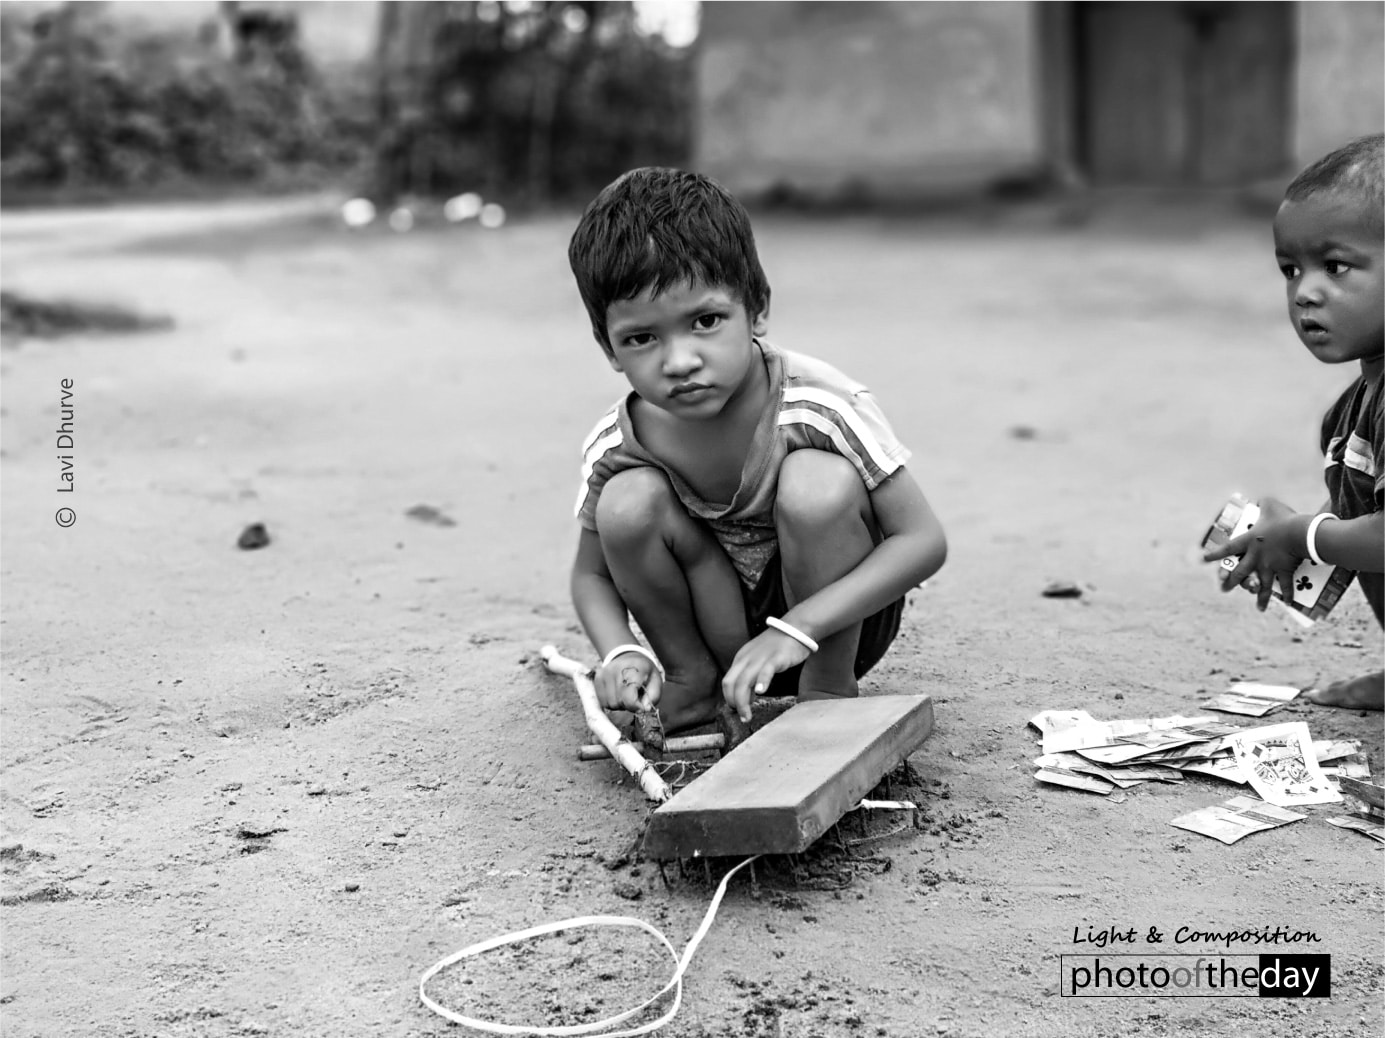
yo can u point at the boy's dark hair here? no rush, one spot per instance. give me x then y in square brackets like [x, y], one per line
[655, 227]
[1354, 170]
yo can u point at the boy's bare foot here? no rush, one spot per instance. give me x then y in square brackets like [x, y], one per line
[1364, 693]
[676, 720]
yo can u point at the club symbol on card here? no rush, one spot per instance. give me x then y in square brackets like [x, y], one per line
[1304, 584]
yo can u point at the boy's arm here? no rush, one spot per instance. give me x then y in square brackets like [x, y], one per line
[912, 549]
[1358, 544]
[604, 617]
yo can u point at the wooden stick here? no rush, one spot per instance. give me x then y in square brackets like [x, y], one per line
[673, 744]
[607, 734]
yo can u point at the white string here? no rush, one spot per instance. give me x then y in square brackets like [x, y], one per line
[675, 983]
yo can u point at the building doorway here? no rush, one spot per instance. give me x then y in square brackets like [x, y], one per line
[1182, 94]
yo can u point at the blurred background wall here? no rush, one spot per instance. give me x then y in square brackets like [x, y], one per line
[1340, 51]
[894, 99]
[816, 101]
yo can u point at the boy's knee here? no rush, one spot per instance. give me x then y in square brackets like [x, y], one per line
[817, 490]
[634, 503]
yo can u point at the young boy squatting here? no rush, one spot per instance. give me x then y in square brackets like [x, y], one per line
[747, 505]
[1329, 240]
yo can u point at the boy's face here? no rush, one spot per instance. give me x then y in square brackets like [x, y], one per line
[1330, 251]
[687, 350]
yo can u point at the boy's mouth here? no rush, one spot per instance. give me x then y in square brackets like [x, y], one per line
[1311, 328]
[685, 388]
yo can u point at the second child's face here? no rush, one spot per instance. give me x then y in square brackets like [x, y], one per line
[1331, 257]
[687, 350]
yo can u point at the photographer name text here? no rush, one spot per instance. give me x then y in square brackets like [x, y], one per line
[67, 475]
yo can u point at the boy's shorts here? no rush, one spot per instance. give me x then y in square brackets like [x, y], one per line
[767, 599]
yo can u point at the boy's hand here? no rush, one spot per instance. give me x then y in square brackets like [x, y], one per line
[767, 654]
[1270, 551]
[629, 682]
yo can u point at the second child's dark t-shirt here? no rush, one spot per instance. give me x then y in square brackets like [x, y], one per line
[1353, 446]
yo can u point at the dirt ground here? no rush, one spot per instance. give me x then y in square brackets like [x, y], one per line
[260, 792]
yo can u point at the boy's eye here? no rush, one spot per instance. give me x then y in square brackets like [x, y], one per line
[1289, 270]
[638, 339]
[706, 322]
[1336, 267]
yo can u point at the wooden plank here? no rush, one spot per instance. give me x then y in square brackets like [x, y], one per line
[789, 782]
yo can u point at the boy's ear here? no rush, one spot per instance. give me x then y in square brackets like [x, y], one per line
[759, 324]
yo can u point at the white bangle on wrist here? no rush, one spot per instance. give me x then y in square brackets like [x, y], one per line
[792, 631]
[620, 650]
[1312, 537]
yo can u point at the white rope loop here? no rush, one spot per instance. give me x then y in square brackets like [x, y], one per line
[675, 983]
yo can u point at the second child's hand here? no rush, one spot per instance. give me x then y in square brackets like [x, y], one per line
[1270, 551]
[767, 654]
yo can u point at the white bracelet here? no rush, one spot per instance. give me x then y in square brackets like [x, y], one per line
[792, 631]
[1313, 536]
[620, 650]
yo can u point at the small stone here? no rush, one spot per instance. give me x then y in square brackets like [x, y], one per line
[431, 515]
[352, 887]
[252, 537]
[1062, 589]
[629, 891]
[317, 791]
[258, 829]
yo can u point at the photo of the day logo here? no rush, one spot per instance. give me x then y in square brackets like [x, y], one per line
[1195, 976]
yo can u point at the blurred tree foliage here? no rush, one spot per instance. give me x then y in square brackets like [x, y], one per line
[523, 101]
[86, 102]
[529, 101]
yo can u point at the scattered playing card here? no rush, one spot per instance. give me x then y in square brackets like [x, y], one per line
[1071, 762]
[1057, 720]
[1143, 731]
[1364, 826]
[1237, 817]
[1370, 793]
[1328, 749]
[1279, 763]
[1224, 768]
[1075, 780]
[1251, 699]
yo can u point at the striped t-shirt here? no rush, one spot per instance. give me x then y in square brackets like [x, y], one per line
[814, 406]
[1353, 442]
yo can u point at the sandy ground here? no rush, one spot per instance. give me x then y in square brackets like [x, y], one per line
[261, 792]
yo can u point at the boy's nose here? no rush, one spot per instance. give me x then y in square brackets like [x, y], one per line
[681, 358]
[1309, 291]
